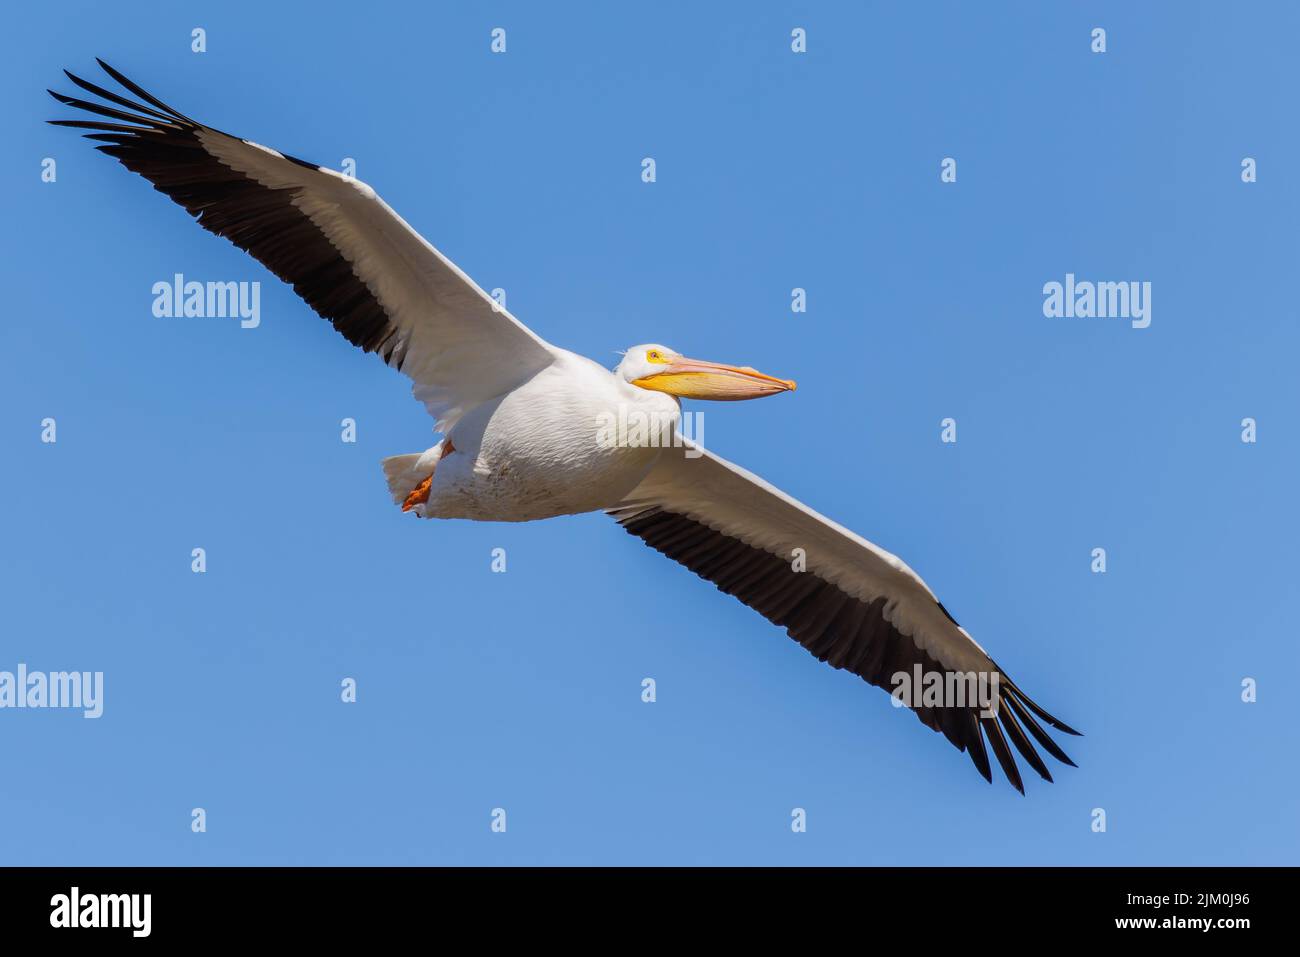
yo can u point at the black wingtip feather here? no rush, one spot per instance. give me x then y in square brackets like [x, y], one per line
[101, 110]
[1041, 736]
[999, 745]
[1017, 736]
[140, 92]
[1033, 706]
[115, 98]
[95, 125]
[975, 747]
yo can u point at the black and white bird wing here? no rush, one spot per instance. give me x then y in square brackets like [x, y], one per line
[852, 604]
[344, 250]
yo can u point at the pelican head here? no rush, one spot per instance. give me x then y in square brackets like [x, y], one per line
[661, 369]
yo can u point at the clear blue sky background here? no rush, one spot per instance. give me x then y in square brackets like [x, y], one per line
[522, 690]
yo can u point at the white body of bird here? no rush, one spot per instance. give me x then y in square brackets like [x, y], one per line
[543, 449]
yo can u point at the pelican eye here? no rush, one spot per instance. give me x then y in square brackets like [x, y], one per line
[655, 356]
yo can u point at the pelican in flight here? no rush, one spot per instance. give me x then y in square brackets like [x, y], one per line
[521, 422]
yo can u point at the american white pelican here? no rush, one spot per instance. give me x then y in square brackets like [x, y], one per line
[520, 418]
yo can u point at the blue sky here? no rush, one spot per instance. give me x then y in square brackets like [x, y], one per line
[774, 170]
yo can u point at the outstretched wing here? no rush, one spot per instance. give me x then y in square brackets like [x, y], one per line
[852, 604]
[344, 250]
